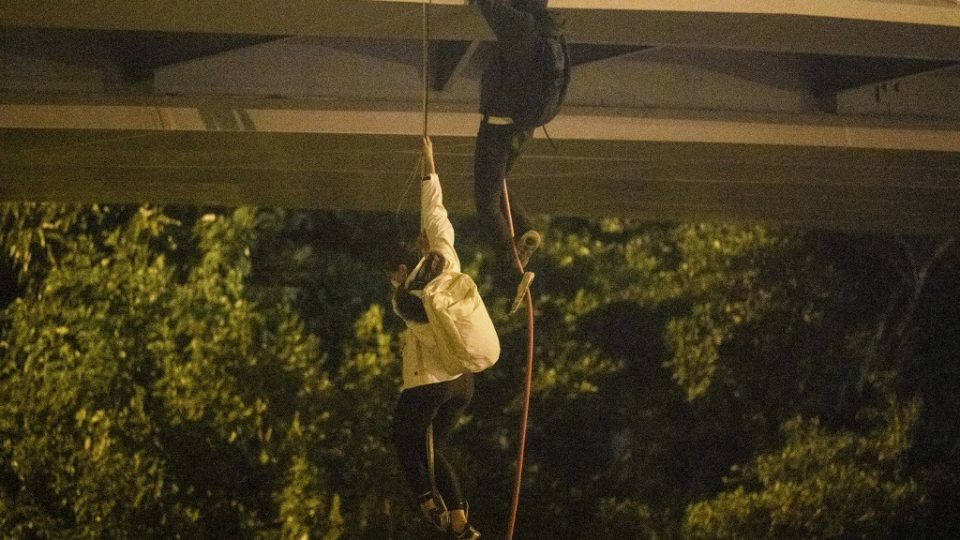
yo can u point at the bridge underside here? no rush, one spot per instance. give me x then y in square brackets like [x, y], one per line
[747, 116]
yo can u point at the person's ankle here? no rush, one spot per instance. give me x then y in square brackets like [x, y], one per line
[435, 511]
[468, 533]
[427, 501]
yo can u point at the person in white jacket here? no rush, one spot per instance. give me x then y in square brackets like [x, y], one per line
[430, 393]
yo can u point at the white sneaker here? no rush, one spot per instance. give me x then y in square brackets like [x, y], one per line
[526, 245]
[523, 289]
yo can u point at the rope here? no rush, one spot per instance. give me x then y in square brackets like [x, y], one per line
[528, 383]
[425, 58]
[431, 468]
[411, 178]
[425, 99]
[425, 51]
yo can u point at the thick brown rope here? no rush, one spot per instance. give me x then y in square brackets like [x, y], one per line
[528, 383]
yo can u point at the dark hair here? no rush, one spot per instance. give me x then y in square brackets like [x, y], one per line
[394, 253]
[433, 265]
[409, 306]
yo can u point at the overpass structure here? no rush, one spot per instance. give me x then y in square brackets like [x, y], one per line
[835, 114]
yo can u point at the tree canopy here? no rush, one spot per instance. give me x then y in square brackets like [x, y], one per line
[231, 373]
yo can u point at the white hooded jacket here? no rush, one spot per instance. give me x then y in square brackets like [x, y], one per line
[421, 353]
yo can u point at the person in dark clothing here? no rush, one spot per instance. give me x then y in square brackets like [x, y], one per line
[500, 140]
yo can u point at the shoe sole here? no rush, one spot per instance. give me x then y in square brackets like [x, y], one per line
[523, 289]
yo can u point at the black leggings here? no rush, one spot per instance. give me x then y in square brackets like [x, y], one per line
[442, 404]
[498, 146]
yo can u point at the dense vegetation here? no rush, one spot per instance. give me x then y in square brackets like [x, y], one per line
[178, 373]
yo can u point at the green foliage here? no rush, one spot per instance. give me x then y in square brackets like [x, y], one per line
[626, 519]
[752, 327]
[303, 506]
[39, 230]
[620, 302]
[233, 375]
[720, 272]
[133, 401]
[819, 485]
[368, 382]
[712, 278]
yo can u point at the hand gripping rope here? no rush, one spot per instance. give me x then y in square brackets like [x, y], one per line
[528, 382]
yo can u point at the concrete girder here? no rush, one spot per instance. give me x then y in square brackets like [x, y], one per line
[922, 30]
[774, 111]
[448, 59]
[845, 174]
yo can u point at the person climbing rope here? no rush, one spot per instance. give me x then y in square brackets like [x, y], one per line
[521, 88]
[437, 382]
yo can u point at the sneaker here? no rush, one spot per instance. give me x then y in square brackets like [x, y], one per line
[523, 289]
[526, 245]
[438, 516]
[468, 533]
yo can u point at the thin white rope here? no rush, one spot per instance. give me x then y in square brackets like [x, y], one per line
[411, 178]
[425, 97]
[425, 46]
[84, 144]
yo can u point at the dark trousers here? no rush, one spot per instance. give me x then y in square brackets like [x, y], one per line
[497, 149]
[439, 403]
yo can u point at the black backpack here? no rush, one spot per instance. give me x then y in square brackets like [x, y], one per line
[549, 77]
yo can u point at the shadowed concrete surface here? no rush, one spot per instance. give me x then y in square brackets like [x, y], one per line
[839, 115]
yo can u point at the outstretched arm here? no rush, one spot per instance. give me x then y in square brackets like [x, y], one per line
[434, 221]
